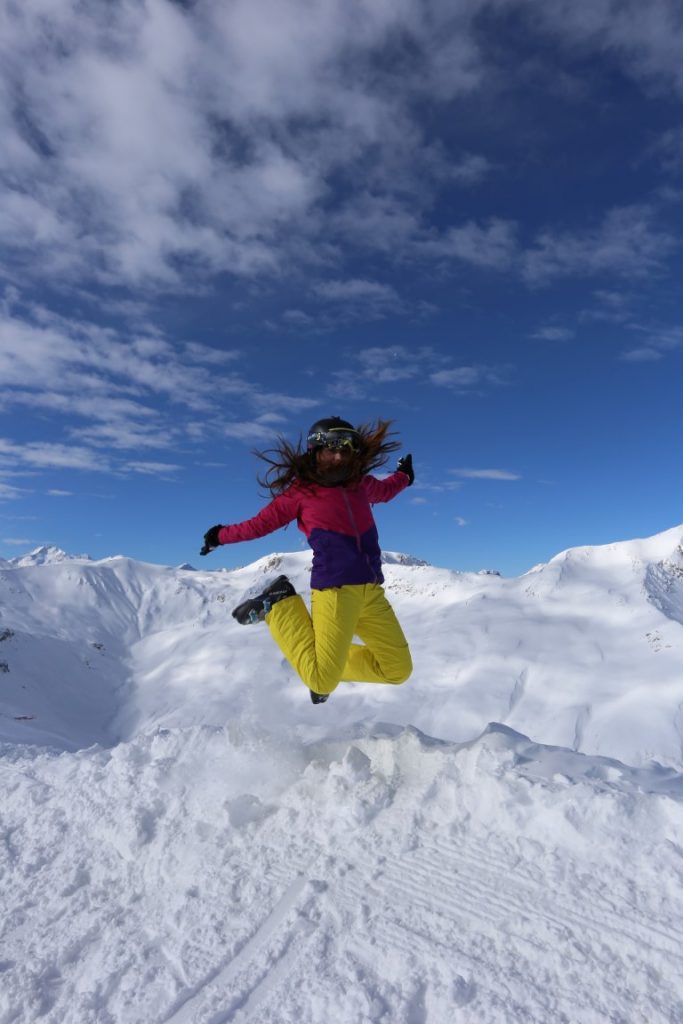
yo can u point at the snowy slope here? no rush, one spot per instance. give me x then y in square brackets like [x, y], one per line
[185, 839]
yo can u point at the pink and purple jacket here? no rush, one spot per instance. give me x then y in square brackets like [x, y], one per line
[338, 524]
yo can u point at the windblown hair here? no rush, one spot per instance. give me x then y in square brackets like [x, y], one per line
[288, 462]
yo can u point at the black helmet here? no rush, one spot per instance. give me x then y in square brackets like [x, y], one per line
[333, 432]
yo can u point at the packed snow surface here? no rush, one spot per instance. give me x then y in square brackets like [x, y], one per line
[186, 839]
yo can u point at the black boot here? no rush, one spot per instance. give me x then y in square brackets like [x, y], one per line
[318, 698]
[256, 608]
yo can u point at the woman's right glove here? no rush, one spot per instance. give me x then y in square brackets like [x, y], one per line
[405, 465]
[211, 540]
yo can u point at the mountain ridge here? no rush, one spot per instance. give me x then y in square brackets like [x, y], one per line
[586, 653]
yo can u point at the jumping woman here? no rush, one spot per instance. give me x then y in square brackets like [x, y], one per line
[329, 490]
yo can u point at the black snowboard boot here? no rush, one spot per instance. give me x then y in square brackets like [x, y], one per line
[256, 608]
[318, 698]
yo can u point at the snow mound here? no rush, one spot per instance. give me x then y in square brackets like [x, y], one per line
[228, 875]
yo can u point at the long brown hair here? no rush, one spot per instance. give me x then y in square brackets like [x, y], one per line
[288, 462]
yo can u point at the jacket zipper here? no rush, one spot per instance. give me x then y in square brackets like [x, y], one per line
[353, 521]
[355, 530]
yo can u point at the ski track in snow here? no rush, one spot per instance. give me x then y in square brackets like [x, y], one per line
[250, 955]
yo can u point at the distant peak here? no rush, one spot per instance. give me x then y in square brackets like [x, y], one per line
[398, 558]
[45, 554]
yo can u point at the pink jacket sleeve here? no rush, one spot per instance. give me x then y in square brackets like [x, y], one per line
[384, 490]
[277, 513]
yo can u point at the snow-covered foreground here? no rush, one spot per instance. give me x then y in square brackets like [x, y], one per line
[209, 876]
[226, 852]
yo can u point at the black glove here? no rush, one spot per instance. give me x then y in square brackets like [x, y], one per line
[405, 465]
[211, 540]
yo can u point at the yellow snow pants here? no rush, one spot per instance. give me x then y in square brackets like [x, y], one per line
[319, 646]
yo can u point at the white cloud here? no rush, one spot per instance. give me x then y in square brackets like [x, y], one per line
[297, 318]
[250, 430]
[669, 150]
[628, 243]
[666, 339]
[468, 378]
[47, 455]
[392, 364]
[471, 169]
[459, 377]
[613, 306]
[157, 144]
[657, 343]
[644, 39]
[356, 289]
[8, 492]
[378, 220]
[212, 356]
[347, 386]
[130, 393]
[141, 141]
[486, 474]
[103, 374]
[151, 468]
[124, 436]
[492, 246]
[551, 333]
[357, 298]
[641, 355]
[389, 364]
[352, 300]
[275, 407]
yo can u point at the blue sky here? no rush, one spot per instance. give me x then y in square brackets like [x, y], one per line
[219, 222]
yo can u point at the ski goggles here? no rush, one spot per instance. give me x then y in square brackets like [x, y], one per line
[337, 440]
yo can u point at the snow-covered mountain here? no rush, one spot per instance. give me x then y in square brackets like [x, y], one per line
[186, 839]
[584, 652]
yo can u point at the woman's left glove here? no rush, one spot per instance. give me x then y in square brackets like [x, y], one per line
[405, 465]
[211, 540]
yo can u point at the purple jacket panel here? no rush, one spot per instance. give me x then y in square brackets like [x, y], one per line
[340, 560]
